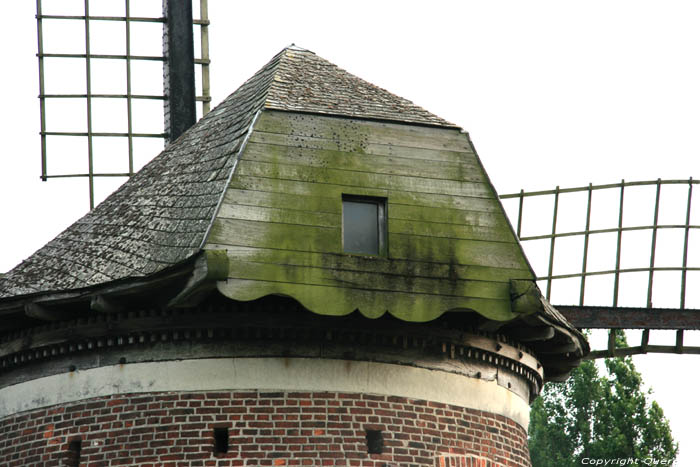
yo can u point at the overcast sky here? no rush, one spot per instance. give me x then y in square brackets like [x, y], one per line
[552, 93]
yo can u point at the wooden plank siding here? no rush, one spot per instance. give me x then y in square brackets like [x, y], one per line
[450, 246]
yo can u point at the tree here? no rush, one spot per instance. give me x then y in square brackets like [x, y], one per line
[599, 417]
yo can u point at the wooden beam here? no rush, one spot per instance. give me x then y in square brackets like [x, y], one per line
[102, 304]
[534, 334]
[37, 311]
[600, 317]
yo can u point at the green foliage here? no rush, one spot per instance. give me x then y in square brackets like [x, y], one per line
[600, 417]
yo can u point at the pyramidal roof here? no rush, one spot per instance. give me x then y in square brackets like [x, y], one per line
[161, 216]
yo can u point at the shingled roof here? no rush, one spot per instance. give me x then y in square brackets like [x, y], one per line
[162, 215]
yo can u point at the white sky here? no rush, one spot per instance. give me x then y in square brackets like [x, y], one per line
[552, 93]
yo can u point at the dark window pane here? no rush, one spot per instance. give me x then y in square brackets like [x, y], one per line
[360, 227]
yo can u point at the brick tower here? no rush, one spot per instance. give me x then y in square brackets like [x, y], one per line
[318, 272]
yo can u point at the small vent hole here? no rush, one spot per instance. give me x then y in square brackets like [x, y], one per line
[375, 442]
[73, 454]
[220, 440]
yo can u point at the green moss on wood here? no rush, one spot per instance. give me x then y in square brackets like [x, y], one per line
[450, 246]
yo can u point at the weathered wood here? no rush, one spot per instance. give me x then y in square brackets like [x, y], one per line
[631, 318]
[362, 131]
[368, 280]
[283, 216]
[371, 264]
[389, 150]
[401, 246]
[349, 178]
[457, 251]
[449, 243]
[102, 304]
[464, 232]
[311, 218]
[340, 301]
[37, 311]
[484, 201]
[530, 334]
[279, 236]
[210, 266]
[282, 200]
[393, 165]
[486, 212]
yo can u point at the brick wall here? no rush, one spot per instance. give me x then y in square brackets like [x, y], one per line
[261, 429]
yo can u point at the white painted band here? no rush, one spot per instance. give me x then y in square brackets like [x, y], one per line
[288, 374]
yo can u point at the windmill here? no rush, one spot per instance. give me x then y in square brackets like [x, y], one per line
[192, 280]
[177, 91]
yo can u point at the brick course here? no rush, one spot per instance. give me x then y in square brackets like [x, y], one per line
[265, 429]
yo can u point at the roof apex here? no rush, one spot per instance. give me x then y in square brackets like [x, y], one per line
[305, 82]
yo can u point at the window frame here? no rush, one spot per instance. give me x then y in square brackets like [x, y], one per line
[382, 222]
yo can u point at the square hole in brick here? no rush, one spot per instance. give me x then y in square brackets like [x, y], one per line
[220, 440]
[73, 452]
[375, 441]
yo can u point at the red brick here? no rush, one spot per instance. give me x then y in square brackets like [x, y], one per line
[265, 429]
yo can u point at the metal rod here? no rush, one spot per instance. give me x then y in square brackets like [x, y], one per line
[129, 120]
[89, 103]
[42, 102]
[619, 245]
[204, 31]
[551, 245]
[585, 245]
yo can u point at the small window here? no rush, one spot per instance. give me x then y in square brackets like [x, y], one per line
[364, 225]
